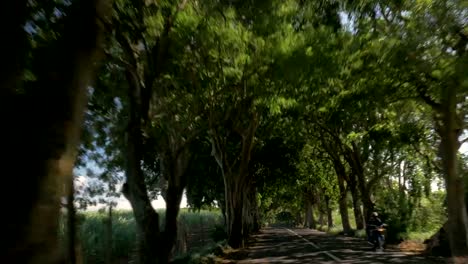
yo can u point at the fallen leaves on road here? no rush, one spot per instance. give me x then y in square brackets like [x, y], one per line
[412, 246]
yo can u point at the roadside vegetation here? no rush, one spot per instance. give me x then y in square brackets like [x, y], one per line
[200, 233]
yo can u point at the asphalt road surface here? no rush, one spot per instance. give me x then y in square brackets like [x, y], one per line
[284, 245]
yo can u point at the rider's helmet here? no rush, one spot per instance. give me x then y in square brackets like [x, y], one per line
[375, 214]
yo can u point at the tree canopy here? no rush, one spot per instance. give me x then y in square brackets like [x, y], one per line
[258, 108]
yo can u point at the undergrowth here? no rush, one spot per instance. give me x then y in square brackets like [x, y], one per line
[92, 232]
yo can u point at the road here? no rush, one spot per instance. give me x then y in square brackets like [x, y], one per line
[284, 245]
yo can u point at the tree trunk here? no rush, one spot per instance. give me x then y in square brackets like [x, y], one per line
[176, 164]
[343, 205]
[368, 205]
[313, 223]
[174, 197]
[310, 219]
[134, 189]
[147, 221]
[146, 218]
[41, 129]
[235, 178]
[357, 212]
[222, 205]
[256, 219]
[247, 223]
[365, 195]
[254, 209]
[71, 224]
[354, 160]
[329, 212]
[320, 210]
[342, 202]
[321, 217]
[234, 205]
[356, 207]
[251, 223]
[457, 215]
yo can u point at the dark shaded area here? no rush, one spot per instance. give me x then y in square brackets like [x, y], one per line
[281, 245]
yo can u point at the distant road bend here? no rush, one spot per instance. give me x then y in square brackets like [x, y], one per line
[293, 245]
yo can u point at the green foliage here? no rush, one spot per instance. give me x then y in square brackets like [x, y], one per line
[430, 214]
[207, 218]
[415, 221]
[324, 89]
[205, 186]
[92, 232]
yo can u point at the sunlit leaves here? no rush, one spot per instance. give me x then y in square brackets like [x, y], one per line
[277, 105]
[154, 25]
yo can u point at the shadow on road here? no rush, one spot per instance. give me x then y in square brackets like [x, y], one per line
[283, 245]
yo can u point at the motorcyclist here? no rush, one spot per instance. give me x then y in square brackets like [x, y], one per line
[373, 223]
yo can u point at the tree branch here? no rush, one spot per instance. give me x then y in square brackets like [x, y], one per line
[428, 160]
[422, 91]
[463, 141]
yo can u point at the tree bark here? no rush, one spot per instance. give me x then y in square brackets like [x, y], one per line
[321, 217]
[457, 215]
[310, 218]
[320, 210]
[235, 209]
[236, 178]
[134, 189]
[146, 218]
[177, 164]
[342, 202]
[254, 209]
[356, 206]
[357, 212]
[174, 198]
[353, 158]
[251, 222]
[329, 212]
[247, 220]
[307, 215]
[343, 205]
[234, 205]
[42, 128]
[341, 176]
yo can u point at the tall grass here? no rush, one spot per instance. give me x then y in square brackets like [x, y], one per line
[203, 218]
[92, 232]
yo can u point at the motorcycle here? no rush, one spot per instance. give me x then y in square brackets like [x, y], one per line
[377, 237]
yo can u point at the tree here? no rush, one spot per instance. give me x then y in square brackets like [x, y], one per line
[316, 175]
[45, 90]
[205, 186]
[234, 67]
[428, 65]
[148, 97]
